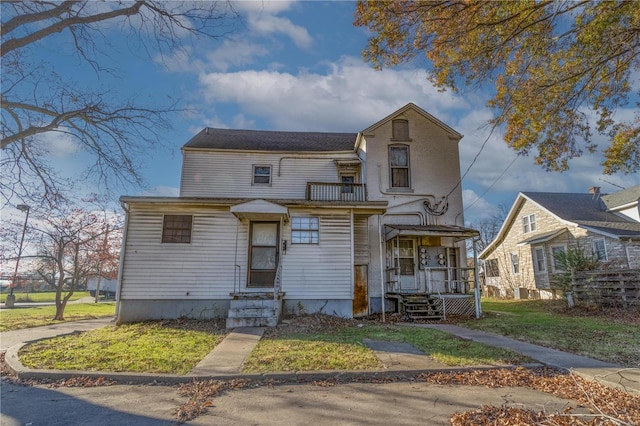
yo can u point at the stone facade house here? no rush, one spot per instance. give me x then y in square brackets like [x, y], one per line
[521, 259]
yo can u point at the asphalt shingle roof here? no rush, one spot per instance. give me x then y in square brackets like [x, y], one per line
[261, 140]
[588, 210]
[623, 197]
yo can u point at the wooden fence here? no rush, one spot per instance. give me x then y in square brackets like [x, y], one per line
[611, 288]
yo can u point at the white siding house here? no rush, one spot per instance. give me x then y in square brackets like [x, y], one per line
[346, 224]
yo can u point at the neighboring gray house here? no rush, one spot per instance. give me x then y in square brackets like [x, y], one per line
[540, 224]
[302, 222]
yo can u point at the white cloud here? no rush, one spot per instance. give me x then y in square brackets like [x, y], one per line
[58, 145]
[349, 97]
[262, 20]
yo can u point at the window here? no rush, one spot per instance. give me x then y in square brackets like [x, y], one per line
[515, 263]
[349, 180]
[400, 130]
[261, 175]
[491, 268]
[538, 259]
[176, 228]
[599, 249]
[556, 251]
[399, 166]
[304, 230]
[529, 223]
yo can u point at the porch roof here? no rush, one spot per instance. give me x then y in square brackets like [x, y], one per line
[542, 238]
[260, 210]
[457, 232]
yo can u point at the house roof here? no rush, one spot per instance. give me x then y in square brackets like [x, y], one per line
[542, 238]
[622, 198]
[425, 114]
[574, 207]
[262, 140]
[457, 232]
[588, 211]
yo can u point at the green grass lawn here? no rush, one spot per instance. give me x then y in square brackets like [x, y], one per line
[140, 347]
[342, 348]
[45, 296]
[17, 318]
[611, 335]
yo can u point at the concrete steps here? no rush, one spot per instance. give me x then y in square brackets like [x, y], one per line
[254, 310]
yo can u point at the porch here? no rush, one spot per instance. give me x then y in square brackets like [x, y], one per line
[425, 276]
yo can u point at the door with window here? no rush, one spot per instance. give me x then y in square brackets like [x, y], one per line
[263, 253]
[404, 257]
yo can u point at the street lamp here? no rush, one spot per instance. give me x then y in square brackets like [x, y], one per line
[11, 298]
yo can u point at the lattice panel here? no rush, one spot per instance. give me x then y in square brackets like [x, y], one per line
[463, 306]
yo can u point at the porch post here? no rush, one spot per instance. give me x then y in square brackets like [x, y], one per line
[382, 267]
[475, 280]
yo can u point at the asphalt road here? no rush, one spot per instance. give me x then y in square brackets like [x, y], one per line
[399, 403]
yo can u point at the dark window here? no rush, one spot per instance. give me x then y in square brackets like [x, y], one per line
[400, 130]
[176, 228]
[399, 166]
[349, 180]
[515, 263]
[262, 175]
[304, 230]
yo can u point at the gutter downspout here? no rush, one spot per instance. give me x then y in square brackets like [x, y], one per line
[125, 207]
[352, 255]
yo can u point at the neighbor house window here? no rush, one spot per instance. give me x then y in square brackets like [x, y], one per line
[176, 228]
[262, 175]
[557, 251]
[304, 230]
[515, 263]
[529, 223]
[538, 259]
[400, 130]
[491, 268]
[349, 180]
[399, 166]
[599, 249]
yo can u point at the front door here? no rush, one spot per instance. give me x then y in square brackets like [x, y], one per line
[263, 253]
[405, 263]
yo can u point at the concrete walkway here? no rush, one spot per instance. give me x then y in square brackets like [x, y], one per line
[227, 358]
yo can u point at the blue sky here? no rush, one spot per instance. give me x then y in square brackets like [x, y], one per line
[297, 66]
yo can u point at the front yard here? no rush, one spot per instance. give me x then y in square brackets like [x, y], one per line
[609, 335]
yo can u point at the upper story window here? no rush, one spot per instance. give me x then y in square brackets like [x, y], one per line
[348, 180]
[399, 166]
[305, 230]
[400, 130]
[529, 223]
[176, 228]
[261, 175]
[599, 249]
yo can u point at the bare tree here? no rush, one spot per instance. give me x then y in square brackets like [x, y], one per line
[38, 103]
[74, 245]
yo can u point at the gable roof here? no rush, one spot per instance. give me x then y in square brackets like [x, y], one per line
[411, 106]
[574, 207]
[584, 210]
[622, 198]
[263, 140]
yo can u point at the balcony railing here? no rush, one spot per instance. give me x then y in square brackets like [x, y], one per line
[322, 191]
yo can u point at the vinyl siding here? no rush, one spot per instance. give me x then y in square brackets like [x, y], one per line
[323, 270]
[202, 269]
[230, 174]
[361, 240]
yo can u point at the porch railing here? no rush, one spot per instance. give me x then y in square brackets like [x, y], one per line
[325, 191]
[434, 281]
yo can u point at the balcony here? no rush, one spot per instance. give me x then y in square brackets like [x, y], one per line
[322, 191]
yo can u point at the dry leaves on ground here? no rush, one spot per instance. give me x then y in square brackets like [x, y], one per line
[607, 405]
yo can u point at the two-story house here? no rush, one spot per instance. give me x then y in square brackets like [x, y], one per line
[346, 224]
[522, 258]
